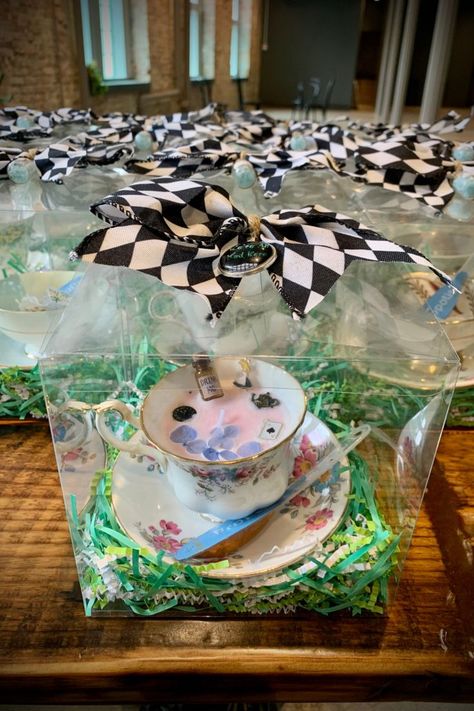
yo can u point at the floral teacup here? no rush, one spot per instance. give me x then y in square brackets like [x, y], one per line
[234, 456]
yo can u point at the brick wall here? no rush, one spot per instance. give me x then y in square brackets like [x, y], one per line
[41, 57]
[37, 53]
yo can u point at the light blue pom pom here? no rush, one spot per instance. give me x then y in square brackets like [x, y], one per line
[244, 174]
[21, 170]
[464, 152]
[298, 142]
[24, 122]
[143, 141]
[459, 209]
[464, 186]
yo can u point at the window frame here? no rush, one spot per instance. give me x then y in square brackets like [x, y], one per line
[89, 12]
[196, 9]
[241, 13]
[206, 40]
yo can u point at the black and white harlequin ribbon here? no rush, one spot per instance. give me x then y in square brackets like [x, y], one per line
[270, 167]
[42, 123]
[183, 162]
[178, 230]
[182, 127]
[49, 119]
[101, 151]
[415, 164]
[450, 122]
[249, 127]
[58, 160]
[193, 116]
[11, 132]
[339, 142]
[415, 170]
[113, 133]
[179, 132]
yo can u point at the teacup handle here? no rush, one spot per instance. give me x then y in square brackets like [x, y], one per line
[137, 447]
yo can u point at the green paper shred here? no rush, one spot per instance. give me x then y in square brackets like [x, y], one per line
[114, 569]
[135, 562]
[338, 383]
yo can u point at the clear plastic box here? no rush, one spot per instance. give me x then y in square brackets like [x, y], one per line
[294, 392]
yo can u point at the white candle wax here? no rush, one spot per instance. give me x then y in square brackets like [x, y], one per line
[227, 428]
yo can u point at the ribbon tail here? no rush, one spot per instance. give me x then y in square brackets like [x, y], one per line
[304, 273]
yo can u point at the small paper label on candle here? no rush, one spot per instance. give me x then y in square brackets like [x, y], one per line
[270, 430]
[206, 378]
[210, 386]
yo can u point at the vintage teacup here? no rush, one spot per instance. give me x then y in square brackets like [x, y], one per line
[459, 325]
[71, 425]
[226, 456]
[30, 326]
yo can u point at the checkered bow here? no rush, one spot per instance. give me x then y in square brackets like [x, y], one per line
[414, 169]
[100, 151]
[338, 142]
[177, 231]
[272, 167]
[450, 122]
[184, 161]
[42, 122]
[249, 127]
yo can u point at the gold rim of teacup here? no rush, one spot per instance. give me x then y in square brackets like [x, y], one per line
[229, 462]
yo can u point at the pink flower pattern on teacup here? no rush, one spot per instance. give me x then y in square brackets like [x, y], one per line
[218, 481]
[71, 461]
[319, 497]
[306, 459]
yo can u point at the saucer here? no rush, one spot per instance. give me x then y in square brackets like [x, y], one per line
[466, 374]
[78, 468]
[417, 442]
[13, 355]
[150, 514]
[423, 375]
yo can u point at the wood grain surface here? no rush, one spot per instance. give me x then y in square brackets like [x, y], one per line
[51, 653]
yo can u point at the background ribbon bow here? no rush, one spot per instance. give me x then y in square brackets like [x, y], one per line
[178, 230]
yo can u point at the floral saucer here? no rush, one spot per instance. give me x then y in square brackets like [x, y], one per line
[418, 440]
[79, 464]
[150, 514]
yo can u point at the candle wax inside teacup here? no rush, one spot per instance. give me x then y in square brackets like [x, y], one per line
[229, 427]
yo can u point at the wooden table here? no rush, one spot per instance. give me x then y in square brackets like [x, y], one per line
[51, 653]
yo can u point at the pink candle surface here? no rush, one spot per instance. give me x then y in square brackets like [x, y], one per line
[226, 428]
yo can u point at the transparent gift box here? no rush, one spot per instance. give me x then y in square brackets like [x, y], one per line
[299, 187]
[40, 223]
[170, 433]
[447, 242]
